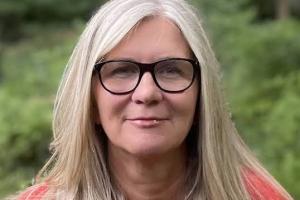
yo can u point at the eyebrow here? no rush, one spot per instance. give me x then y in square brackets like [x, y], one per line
[134, 60]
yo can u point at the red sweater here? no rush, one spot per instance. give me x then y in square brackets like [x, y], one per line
[263, 190]
[35, 192]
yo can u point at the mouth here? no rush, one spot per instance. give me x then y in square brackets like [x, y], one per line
[146, 122]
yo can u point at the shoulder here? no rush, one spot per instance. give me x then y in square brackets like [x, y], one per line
[35, 192]
[260, 188]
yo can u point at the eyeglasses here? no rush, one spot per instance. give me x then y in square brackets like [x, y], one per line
[172, 75]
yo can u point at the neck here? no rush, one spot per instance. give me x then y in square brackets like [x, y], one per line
[152, 177]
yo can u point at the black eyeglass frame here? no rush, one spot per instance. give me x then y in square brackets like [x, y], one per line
[149, 67]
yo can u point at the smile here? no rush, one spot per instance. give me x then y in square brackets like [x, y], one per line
[146, 122]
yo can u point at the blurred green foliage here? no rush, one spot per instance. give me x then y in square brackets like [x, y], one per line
[261, 65]
[15, 15]
[260, 61]
[263, 76]
[30, 72]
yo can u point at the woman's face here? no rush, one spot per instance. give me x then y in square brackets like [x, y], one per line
[147, 121]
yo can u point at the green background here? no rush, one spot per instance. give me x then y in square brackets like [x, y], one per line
[257, 43]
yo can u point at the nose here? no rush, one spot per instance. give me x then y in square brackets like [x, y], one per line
[147, 91]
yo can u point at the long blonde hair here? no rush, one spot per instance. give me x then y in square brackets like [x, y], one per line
[78, 169]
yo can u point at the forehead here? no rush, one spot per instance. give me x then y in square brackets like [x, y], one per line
[152, 39]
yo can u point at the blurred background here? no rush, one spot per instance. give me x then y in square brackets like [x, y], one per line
[257, 43]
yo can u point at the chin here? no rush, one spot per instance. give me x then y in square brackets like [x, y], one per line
[144, 150]
[147, 145]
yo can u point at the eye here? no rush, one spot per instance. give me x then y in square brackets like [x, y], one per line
[120, 70]
[170, 70]
[123, 71]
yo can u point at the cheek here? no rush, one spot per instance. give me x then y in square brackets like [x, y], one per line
[109, 106]
[184, 106]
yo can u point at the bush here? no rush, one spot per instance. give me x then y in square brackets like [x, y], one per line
[31, 71]
[262, 71]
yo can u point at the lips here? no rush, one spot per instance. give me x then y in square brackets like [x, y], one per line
[146, 122]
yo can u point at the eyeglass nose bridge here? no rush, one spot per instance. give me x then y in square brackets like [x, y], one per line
[147, 67]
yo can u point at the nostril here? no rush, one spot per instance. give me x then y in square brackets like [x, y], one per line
[138, 101]
[147, 102]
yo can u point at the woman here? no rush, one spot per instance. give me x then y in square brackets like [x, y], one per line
[139, 115]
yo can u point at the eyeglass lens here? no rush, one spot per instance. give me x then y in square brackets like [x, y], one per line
[170, 75]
